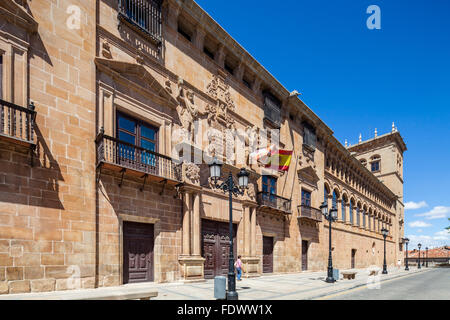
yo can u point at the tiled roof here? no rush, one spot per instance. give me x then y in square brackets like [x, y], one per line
[442, 252]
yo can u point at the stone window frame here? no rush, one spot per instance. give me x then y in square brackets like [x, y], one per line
[9, 48]
[375, 159]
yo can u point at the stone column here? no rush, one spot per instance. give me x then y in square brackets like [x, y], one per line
[339, 209]
[196, 225]
[220, 56]
[199, 38]
[186, 223]
[247, 234]
[253, 232]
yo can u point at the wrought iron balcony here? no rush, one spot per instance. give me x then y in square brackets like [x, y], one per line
[272, 201]
[307, 212]
[17, 123]
[144, 15]
[116, 154]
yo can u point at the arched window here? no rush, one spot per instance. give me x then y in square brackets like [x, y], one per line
[351, 212]
[357, 216]
[363, 162]
[343, 209]
[325, 194]
[334, 202]
[364, 218]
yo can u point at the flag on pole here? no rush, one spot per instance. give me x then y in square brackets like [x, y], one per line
[280, 160]
[263, 155]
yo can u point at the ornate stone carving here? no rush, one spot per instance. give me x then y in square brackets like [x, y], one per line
[168, 86]
[191, 173]
[106, 50]
[215, 143]
[211, 88]
[187, 111]
[251, 192]
[219, 90]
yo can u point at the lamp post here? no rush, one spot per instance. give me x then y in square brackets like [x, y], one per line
[406, 240]
[330, 216]
[233, 189]
[419, 245]
[384, 232]
[426, 257]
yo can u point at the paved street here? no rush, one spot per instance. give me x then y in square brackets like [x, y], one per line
[427, 283]
[430, 285]
[307, 285]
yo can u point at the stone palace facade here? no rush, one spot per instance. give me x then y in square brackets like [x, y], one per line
[95, 98]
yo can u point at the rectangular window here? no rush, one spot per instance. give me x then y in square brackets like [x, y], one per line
[136, 133]
[269, 188]
[208, 52]
[229, 68]
[375, 166]
[306, 198]
[184, 33]
[146, 14]
[309, 136]
[272, 109]
[247, 82]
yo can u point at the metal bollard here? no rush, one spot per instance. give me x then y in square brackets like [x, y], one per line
[220, 287]
[336, 274]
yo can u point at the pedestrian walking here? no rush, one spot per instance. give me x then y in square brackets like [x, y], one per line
[238, 266]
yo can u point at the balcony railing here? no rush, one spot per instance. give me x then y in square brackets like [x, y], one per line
[143, 14]
[273, 201]
[125, 155]
[17, 122]
[308, 212]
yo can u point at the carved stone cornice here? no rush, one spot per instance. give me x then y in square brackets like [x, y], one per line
[17, 14]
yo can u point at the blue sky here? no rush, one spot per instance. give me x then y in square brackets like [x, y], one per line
[357, 79]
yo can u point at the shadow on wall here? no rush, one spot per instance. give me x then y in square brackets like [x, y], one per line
[36, 185]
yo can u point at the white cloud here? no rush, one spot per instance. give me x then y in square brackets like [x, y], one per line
[438, 239]
[419, 224]
[442, 235]
[411, 205]
[438, 212]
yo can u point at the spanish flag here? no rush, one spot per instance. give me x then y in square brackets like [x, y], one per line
[280, 160]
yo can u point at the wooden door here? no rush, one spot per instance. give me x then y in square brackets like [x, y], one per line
[138, 241]
[216, 247]
[353, 258]
[304, 255]
[267, 254]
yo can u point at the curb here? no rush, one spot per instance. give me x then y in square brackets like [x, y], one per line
[362, 284]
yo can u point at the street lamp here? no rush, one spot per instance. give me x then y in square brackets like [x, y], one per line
[426, 257]
[384, 232]
[230, 186]
[406, 240]
[330, 216]
[419, 245]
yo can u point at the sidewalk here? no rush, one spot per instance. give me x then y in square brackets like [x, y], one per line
[299, 286]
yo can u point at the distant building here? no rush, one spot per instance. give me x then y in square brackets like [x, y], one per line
[433, 256]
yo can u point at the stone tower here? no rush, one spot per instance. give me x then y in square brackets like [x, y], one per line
[383, 156]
